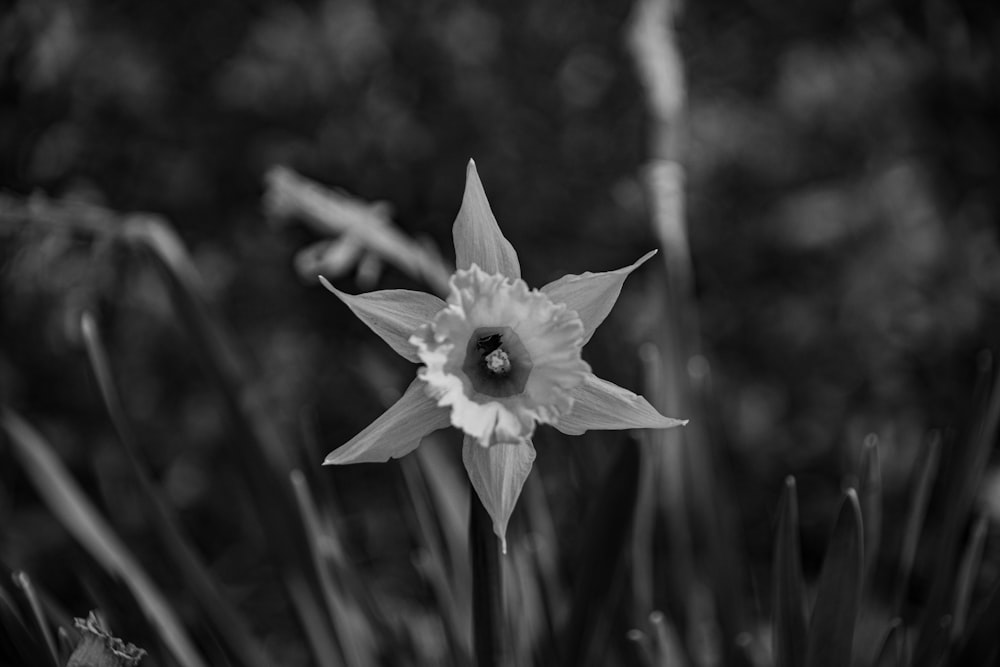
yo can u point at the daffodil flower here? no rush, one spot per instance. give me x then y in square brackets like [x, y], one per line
[498, 358]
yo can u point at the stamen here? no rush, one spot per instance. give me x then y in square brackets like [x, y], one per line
[497, 362]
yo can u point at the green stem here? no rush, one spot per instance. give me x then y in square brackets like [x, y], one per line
[487, 592]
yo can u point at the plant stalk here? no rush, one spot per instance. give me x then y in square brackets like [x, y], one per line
[487, 590]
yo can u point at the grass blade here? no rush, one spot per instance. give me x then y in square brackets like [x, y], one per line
[890, 651]
[354, 637]
[962, 478]
[22, 581]
[870, 497]
[452, 586]
[926, 467]
[232, 628]
[967, 574]
[259, 447]
[68, 502]
[789, 613]
[838, 596]
[981, 645]
[18, 644]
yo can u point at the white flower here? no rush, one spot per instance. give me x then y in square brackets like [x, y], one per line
[498, 359]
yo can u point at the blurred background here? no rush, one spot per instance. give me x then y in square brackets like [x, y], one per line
[843, 189]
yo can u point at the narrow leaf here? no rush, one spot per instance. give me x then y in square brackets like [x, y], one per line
[926, 471]
[967, 574]
[981, 644]
[233, 629]
[962, 476]
[789, 613]
[890, 651]
[27, 588]
[18, 644]
[68, 502]
[870, 497]
[354, 636]
[838, 596]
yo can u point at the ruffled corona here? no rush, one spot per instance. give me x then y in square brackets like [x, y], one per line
[501, 356]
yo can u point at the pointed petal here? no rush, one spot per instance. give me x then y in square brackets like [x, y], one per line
[602, 405]
[478, 239]
[592, 295]
[393, 314]
[497, 474]
[397, 432]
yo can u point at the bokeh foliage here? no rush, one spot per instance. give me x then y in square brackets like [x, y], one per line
[842, 172]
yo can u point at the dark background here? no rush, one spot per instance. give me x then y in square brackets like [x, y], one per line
[842, 181]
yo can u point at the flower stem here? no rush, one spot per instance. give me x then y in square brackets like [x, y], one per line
[487, 592]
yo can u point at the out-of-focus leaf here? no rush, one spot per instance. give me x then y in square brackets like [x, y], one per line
[667, 646]
[789, 613]
[870, 497]
[445, 562]
[604, 537]
[962, 477]
[981, 644]
[260, 449]
[290, 195]
[315, 621]
[967, 573]
[68, 502]
[23, 582]
[838, 596]
[354, 635]
[890, 650]
[18, 644]
[926, 470]
[234, 631]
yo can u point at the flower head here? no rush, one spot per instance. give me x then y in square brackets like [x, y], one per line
[498, 358]
[503, 357]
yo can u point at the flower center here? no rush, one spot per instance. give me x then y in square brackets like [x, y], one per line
[496, 362]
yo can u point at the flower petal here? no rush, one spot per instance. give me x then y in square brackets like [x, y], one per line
[592, 295]
[602, 405]
[393, 314]
[497, 474]
[478, 239]
[397, 432]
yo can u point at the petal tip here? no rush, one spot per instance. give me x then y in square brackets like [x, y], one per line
[328, 285]
[642, 260]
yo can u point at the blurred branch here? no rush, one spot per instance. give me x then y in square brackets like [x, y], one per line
[331, 213]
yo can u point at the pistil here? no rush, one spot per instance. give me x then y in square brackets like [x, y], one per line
[497, 362]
